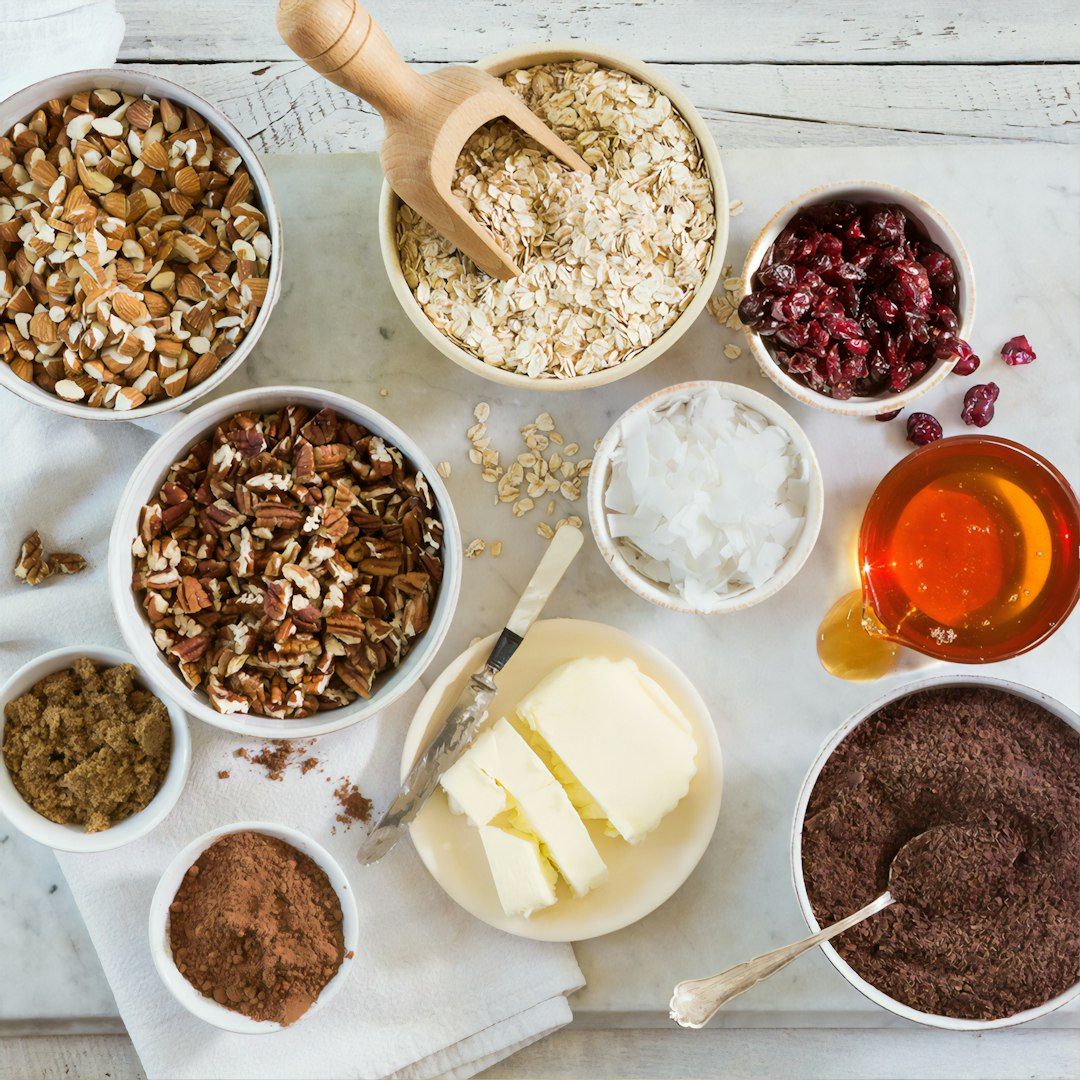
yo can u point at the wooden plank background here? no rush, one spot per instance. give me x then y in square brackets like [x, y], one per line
[769, 74]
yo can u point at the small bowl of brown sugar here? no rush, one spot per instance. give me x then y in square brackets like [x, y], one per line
[253, 927]
[91, 758]
[962, 797]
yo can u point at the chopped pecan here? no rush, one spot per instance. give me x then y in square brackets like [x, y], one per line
[31, 566]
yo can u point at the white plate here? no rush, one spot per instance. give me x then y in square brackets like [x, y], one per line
[641, 877]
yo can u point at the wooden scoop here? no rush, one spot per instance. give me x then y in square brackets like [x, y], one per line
[428, 117]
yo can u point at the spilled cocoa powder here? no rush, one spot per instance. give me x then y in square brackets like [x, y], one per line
[257, 926]
[987, 918]
[277, 756]
[354, 807]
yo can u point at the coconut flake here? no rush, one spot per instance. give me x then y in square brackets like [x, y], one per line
[706, 496]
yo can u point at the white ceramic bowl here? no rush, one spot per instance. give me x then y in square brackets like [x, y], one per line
[73, 837]
[499, 64]
[21, 105]
[740, 599]
[206, 1008]
[940, 232]
[950, 1023]
[144, 484]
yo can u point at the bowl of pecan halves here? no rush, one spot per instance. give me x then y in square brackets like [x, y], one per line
[284, 562]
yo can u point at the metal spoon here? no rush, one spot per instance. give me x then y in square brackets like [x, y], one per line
[696, 1001]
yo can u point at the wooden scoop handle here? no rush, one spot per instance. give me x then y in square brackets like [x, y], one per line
[343, 43]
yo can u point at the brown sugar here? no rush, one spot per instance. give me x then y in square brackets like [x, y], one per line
[257, 926]
[986, 785]
[86, 746]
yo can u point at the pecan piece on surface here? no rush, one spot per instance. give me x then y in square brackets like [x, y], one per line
[32, 566]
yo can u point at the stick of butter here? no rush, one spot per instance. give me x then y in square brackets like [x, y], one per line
[621, 747]
[500, 784]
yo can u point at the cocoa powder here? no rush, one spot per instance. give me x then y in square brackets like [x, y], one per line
[987, 918]
[257, 926]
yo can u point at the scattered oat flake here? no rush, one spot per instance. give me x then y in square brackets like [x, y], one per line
[496, 548]
[476, 547]
[550, 507]
[545, 530]
[443, 469]
[735, 207]
[384, 392]
[482, 411]
[732, 352]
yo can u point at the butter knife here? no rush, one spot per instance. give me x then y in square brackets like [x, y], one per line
[468, 716]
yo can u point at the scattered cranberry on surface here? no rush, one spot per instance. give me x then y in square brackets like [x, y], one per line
[979, 404]
[1017, 350]
[922, 428]
[889, 415]
[856, 301]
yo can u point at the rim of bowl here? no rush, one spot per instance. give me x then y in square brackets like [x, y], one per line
[149, 473]
[941, 232]
[72, 837]
[206, 1008]
[867, 989]
[23, 102]
[551, 52]
[793, 562]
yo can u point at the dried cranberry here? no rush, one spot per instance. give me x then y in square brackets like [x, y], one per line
[979, 404]
[885, 309]
[779, 277]
[888, 415]
[966, 364]
[752, 308]
[939, 268]
[922, 428]
[886, 226]
[1017, 350]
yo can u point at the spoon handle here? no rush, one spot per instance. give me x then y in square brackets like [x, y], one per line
[696, 1001]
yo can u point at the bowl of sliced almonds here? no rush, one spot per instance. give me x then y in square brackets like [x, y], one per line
[140, 245]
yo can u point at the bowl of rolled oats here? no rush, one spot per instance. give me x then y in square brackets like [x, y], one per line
[616, 265]
[284, 562]
[140, 245]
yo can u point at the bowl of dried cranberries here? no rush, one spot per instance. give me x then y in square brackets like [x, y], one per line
[859, 298]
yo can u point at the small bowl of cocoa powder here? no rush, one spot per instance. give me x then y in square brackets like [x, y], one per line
[91, 759]
[985, 928]
[253, 927]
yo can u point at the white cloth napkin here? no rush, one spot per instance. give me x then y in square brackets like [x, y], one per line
[433, 992]
[48, 37]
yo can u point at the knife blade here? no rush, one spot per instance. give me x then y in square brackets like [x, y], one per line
[470, 713]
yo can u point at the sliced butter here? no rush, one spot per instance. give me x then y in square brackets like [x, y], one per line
[620, 746]
[500, 784]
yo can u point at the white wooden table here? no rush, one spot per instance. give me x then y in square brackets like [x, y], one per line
[769, 74]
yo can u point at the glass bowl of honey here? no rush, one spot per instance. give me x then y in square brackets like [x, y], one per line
[969, 551]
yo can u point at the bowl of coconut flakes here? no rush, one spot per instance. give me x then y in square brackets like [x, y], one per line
[616, 265]
[705, 498]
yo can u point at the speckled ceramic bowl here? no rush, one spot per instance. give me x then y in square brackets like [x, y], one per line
[940, 232]
[867, 989]
[499, 64]
[739, 599]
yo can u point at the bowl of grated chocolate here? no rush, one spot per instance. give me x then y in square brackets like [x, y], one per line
[616, 265]
[91, 759]
[253, 927]
[984, 931]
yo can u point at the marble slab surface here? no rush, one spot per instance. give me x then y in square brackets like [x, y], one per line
[339, 326]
